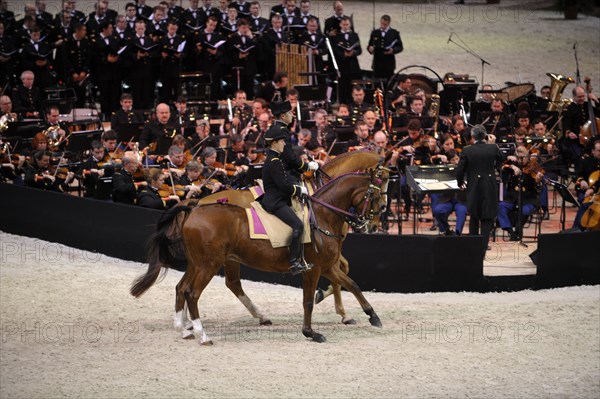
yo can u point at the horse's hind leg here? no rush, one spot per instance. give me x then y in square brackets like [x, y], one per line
[197, 283]
[233, 282]
[336, 290]
[181, 321]
[338, 276]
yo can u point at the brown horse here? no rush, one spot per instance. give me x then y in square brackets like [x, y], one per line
[216, 233]
[357, 161]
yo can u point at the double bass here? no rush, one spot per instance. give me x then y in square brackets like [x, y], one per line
[591, 127]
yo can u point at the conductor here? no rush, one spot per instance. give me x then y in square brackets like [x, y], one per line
[478, 164]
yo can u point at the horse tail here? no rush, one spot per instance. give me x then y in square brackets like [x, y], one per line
[164, 248]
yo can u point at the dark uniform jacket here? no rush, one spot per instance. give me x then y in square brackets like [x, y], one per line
[384, 65]
[148, 198]
[477, 166]
[152, 132]
[33, 179]
[124, 190]
[26, 100]
[278, 185]
[293, 164]
[121, 117]
[525, 183]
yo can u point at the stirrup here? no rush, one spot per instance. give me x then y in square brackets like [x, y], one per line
[299, 266]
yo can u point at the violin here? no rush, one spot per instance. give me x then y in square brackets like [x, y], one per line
[229, 168]
[533, 167]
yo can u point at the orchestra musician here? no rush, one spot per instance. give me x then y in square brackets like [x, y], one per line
[155, 130]
[256, 134]
[39, 174]
[182, 117]
[56, 130]
[398, 99]
[442, 205]
[124, 187]
[588, 166]
[275, 89]
[358, 105]
[576, 115]
[26, 97]
[125, 115]
[150, 196]
[322, 133]
[93, 169]
[197, 186]
[518, 179]
[6, 108]
[174, 163]
[362, 138]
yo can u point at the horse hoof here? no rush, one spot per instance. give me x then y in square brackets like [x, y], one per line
[348, 321]
[375, 322]
[318, 338]
[207, 343]
[185, 334]
[319, 296]
[266, 322]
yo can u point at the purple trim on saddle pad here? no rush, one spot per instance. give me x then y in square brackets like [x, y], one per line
[222, 200]
[259, 228]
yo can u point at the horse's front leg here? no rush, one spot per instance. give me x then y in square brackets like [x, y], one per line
[309, 285]
[234, 283]
[337, 276]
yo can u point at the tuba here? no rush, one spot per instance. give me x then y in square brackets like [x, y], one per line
[4, 121]
[557, 86]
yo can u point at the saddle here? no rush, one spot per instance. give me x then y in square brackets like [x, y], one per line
[265, 226]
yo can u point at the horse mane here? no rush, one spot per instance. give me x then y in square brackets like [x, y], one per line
[342, 157]
[335, 179]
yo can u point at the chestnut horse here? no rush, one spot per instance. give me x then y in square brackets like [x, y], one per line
[216, 233]
[356, 161]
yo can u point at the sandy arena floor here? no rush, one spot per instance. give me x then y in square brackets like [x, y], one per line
[71, 329]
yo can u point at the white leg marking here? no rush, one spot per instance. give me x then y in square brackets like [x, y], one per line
[199, 332]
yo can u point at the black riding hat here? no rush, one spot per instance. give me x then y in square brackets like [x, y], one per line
[275, 133]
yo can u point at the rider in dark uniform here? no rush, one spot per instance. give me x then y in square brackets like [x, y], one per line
[279, 185]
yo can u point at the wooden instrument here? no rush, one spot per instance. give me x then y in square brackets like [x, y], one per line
[591, 127]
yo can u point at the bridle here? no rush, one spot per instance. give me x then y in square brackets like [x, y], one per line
[365, 211]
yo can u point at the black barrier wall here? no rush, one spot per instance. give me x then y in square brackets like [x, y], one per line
[385, 263]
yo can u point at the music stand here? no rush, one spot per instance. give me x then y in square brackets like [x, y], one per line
[64, 99]
[344, 133]
[162, 145]
[312, 93]
[566, 196]
[82, 141]
[23, 129]
[130, 131]
[340, 147]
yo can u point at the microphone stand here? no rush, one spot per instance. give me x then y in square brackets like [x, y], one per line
[576, 64]
[465, 47]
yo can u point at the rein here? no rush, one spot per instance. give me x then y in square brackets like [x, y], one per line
[358, 221]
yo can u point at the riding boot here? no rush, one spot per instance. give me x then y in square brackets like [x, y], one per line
[297, 263]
